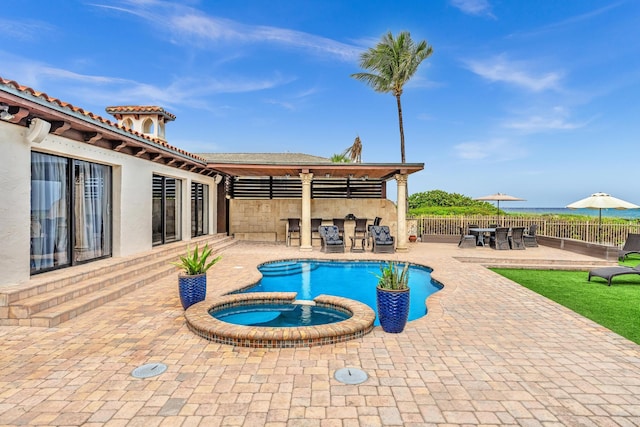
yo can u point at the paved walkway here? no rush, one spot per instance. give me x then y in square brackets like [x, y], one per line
[488, 353]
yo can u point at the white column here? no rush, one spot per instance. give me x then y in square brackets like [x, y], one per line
[305, 221]
[401, 244]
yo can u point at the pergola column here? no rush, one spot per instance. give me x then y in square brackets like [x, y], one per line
[401, 245]
[305, 221]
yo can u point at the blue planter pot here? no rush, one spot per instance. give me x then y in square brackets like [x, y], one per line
[393, 309]
[193, 289]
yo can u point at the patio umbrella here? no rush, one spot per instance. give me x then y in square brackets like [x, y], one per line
[500, 197]
[601, 201]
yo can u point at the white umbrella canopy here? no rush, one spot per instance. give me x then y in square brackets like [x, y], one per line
[601, 201]
[500, 197]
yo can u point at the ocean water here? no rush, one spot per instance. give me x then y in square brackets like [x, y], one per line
[611, 213]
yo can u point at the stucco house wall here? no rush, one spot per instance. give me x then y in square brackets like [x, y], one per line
[132, 197]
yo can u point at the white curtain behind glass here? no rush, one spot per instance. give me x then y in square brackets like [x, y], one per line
[49, 211]
[92, 210]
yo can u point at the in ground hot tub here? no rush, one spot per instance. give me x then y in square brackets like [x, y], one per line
[287, 315]
[201, 319]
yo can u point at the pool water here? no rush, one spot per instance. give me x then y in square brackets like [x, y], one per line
[280, 315]
[349, 279]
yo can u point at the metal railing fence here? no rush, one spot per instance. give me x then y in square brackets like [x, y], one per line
[588, 231]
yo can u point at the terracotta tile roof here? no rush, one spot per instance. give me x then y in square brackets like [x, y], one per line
[293, 158]
[133, 109]
[25, 92]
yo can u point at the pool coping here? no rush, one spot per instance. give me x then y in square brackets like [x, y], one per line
[202, 323]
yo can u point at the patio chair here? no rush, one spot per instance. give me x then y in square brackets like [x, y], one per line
[339, 222]
[331, 241]
[315, 234]
[360, 229]
[383, 241]
[631, 246]
[500, 240]
[478, 236]
[609, 273]
[516, 239]
[376, 221]
[467, 240]
[293, 228]
[530, 240]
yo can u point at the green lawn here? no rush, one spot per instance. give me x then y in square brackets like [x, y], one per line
[616, 307]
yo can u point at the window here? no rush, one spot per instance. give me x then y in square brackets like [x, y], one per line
[147, 127]
[70, 212]
[199, 209]
[166, 210]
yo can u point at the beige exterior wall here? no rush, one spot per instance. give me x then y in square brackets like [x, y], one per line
[266, 219]
[132, 182]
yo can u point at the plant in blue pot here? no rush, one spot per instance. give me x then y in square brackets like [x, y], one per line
[392, 297]
[192, 282]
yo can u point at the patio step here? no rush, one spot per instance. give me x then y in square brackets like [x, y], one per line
[52, 298]
[533, 263]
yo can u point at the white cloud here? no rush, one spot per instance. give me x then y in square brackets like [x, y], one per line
[556, 119]
[192, 26]
[497, 149]
[474, 7]
[518, 73]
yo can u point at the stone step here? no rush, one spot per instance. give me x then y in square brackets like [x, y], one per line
[52, 280]
[59, 313]
[48, 301]
[548, 263]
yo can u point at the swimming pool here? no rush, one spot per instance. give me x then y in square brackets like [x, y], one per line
[349, 279]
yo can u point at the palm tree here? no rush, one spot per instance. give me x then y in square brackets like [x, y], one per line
[340, 158]
[392, 63]
[354, 153]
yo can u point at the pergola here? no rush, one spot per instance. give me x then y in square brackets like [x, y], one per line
[307, 170]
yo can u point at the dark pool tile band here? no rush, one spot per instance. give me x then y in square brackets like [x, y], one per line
[200, 321]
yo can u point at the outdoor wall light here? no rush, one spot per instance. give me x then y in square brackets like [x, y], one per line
[327, 175]
[38, 130]
[4, 113]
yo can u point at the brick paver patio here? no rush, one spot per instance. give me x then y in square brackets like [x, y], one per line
[488, 353]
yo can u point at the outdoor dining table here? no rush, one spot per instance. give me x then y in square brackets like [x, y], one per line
[481, 232]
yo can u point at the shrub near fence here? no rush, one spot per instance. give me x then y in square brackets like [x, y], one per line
[612, 233]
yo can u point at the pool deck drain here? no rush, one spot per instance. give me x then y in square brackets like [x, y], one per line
[351, 375]
[149, 370]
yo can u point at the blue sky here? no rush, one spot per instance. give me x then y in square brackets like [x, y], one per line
[534, 99]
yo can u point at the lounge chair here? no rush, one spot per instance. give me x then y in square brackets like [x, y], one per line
[294, 227]
[500, 240]
[631, 246]
[530, 240]
[515, 240]
[331, 241]
[609, 273]
[383, 241]
[467, 240]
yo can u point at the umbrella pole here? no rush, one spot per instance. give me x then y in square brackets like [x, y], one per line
[600, 225]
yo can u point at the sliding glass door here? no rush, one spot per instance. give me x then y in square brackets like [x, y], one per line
[92, 211]
[70, 212]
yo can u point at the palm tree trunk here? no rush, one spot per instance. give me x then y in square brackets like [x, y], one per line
[401, 128]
